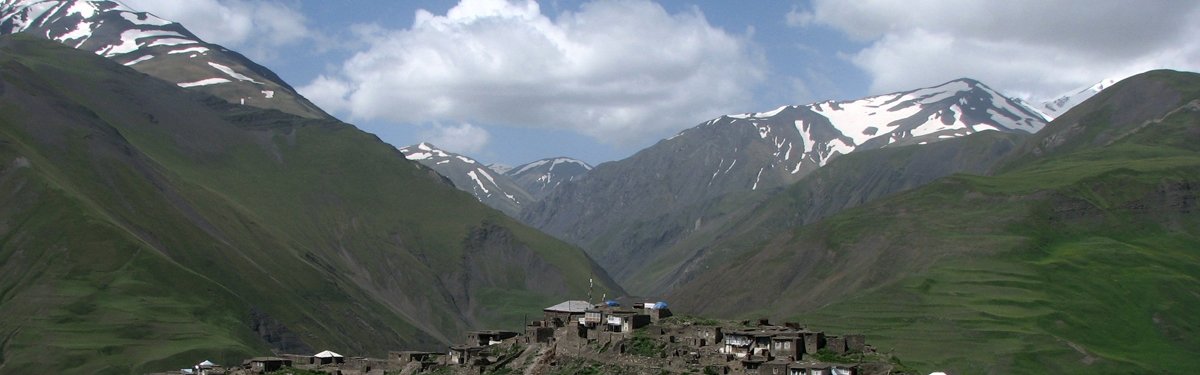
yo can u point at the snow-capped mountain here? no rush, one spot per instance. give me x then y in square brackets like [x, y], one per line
[490, 187]
[539, 178]
[658, 195]
[154, 46]
[500, 168]
[803, 138]
[1059, 105]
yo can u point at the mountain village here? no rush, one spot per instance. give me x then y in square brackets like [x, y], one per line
[581, 337]
[174, 207]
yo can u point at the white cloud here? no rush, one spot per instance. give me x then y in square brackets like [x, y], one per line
[256, 28]
[463, 139]
[1037, 47]
[614, 70]
[798, 18]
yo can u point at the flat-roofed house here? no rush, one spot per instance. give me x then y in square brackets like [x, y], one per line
[738, 343]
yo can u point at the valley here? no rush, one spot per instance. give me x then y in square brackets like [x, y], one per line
[167, 200]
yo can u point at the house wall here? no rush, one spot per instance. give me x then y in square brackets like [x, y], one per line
[560, 319]
[835, 344]
[773, 368]
[813, 342]
[856, 343]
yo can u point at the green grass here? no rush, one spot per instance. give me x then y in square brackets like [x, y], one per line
[1107, 292]
[646, 347]
[152, 221]
[1082, 261]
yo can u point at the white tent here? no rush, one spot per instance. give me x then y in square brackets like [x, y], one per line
[327, 354]
[206, 363]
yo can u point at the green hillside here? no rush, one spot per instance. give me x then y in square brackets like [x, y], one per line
[849, 181]
[145, 228]
[1082, 256]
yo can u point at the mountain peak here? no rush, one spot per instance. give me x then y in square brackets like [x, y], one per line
[155, 46]
[1055, 107]
[490, 187]
[541, 177]
[969, 81]
[426, 146]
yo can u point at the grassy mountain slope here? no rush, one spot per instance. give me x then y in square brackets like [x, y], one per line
[848, 181]
[145, 227]
[644, 217]
[1081, 257]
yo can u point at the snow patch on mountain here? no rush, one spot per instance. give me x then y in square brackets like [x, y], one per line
[801, 138]
[487, 185]
[540, 177]
[152, 45]
[1053, 108]
[500, 168]
[203, 82]
[229, 72]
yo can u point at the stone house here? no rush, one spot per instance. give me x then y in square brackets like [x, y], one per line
[696, 336]
[488, 337]
[838, 369]
[363, 365]
[262, 365]
[856, 342]
[404, 357]
[836, 344]
[738, 344]
[537, 332]
[750, 365]
[817, 368]
[707, 335]
[762, 344]
[786, 345]
[813, 341]
[811, 368]
[568, 311]
[774, 367]
[625, 321]
[593, 317]
[655, 310]
[327, 357]
[463, 355]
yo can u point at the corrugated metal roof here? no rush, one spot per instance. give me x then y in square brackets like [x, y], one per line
[570, 307]
[326, 354]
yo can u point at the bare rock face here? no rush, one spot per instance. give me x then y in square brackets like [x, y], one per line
[276, 334]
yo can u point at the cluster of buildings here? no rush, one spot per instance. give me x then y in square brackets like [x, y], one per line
[736, 348]
[325, 361]
[637, 336]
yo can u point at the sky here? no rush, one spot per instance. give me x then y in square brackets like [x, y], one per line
[512, 81]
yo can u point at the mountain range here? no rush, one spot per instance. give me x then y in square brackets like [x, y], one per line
[629, 212]
[146, 225]
[167, 199]
[508, 189]
[1072, 252]
[1053, 108]
[493, 189]
[154, 46]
